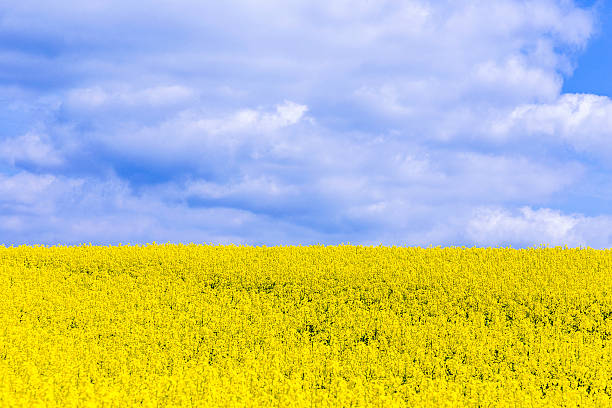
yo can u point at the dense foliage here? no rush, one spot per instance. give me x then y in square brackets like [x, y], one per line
[199, 325]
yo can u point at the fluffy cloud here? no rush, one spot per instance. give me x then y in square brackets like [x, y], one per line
[495, 226]
[30, 148]
[583, 121]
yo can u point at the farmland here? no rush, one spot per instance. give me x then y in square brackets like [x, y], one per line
[207, 325]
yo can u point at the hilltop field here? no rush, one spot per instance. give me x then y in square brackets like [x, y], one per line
[342, 326]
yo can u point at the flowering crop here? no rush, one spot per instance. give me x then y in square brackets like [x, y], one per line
[203, 325]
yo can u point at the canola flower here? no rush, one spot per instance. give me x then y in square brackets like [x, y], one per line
[343, 326]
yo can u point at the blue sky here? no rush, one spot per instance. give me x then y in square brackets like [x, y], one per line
[291, 122]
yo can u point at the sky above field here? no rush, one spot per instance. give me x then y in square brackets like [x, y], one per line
[274, 122]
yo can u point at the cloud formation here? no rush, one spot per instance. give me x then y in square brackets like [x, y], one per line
[290, 122]
[583, 121]
[495, 226]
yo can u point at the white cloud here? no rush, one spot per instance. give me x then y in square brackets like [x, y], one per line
[25, 196]
[515, 76]
[31, 148]
[581, 120]
[250, 120]
[193, 137]
[544, 225]
[125, 96]
[25, 188]
[491, 226]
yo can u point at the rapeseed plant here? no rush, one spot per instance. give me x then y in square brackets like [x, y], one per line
[203, 325]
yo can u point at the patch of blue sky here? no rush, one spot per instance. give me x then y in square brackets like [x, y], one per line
[594, 64]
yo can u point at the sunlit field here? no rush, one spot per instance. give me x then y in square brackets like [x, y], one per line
[203, 325]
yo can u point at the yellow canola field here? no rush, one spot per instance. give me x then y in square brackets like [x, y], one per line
[232, 326]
